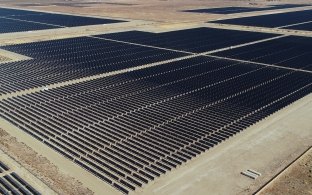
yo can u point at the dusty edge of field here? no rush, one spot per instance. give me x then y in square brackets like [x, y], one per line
[295, 179]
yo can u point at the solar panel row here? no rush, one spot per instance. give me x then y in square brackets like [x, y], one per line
[272, 20]
[191, 40]
[291, 51]
[11, 183]
[12, 12]
[131, 128]
[62, 60]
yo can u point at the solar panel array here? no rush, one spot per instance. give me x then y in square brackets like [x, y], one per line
[12, 183]
[272, 20]
[235, 10]
[13, 20]
[191, 40]
[131, 128]
[291, 51]
[62, 60]
[8, 26]
[65, 20]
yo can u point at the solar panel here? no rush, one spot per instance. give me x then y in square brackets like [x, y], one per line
[305, 26]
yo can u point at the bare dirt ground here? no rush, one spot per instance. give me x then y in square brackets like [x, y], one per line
[40, 166]
[152, 10]
[297, 179]
[3, 59]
